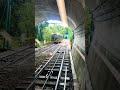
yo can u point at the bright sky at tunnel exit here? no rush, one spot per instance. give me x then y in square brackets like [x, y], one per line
[57, 22]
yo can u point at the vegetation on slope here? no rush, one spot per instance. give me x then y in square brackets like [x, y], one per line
[44, 32]
[21, 21]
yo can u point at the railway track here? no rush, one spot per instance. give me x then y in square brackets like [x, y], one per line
[19, 61]
[53, 74]
[44, 49]
[21, 55]
[16, 56]
[10, 64]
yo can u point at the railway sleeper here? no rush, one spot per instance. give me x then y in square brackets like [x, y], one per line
[59, 61]
[47, 69]
[56, 67]
[65, 64]
[3, 72]
[22, 87]
[49, 83]
[53, 78]
[55, 72]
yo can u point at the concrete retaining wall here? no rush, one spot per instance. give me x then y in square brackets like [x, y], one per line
[79, 65]
[103, 60]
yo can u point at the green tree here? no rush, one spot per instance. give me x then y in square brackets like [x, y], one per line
[26, 18]
[56, 29]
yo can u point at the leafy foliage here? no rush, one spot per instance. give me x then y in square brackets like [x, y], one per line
[21, 18]
[47, 31]
[26, 19]
[38, 30]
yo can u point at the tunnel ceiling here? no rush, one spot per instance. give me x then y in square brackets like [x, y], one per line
[48, 10]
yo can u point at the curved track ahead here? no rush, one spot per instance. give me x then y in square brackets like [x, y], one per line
[53, 74]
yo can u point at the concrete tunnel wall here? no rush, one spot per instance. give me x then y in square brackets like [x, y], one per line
[75, 10]
[100, 69]
[103, 60]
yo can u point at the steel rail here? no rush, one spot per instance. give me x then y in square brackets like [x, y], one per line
[46, 48]
[38, 68]
[60, 72]
[51, 71]
[15, 52]
[37, 75]
[65, 78]
[16, 60]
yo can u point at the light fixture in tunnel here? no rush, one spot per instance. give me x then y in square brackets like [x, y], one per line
[62, 11]
[57, 22]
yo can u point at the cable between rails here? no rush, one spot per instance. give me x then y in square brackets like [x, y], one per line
[59, 74]
[36, 76]
[51, 71]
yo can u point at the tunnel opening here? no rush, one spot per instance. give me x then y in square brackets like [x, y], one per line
[52, 31]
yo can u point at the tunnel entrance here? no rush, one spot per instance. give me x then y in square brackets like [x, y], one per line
[52, 31]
